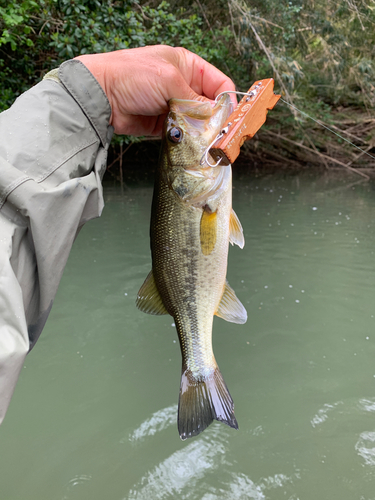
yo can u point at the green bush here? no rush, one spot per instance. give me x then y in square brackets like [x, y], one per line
[36, 37]
[321, 54]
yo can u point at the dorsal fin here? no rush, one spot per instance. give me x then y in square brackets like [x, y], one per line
[230, 308]
[149, 299]
[208, 231]
[235, 230]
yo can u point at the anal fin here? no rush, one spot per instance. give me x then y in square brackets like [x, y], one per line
[236, 236]
[203, 401]
[230, 307]
[149, 299]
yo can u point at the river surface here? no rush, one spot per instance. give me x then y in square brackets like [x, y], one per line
[94, 412]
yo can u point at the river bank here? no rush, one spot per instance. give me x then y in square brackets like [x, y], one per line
[267, 153]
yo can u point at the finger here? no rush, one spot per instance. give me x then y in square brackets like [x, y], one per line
[138, 125]
[202, 76]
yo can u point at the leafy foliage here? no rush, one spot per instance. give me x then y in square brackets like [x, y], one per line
[321, 54]
[322, 58]
[323, 50]
[36, 37]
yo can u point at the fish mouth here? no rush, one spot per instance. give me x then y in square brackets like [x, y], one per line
[201, 119]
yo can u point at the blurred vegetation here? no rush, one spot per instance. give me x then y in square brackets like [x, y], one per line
[320, 53]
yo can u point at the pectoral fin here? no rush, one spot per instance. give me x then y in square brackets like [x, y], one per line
[149, 299]
[208, 231]
[235, 230]
[230, 308]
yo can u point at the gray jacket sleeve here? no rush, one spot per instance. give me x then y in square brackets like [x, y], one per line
[53, 152]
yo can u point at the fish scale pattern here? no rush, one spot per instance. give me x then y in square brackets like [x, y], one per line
[190, 232]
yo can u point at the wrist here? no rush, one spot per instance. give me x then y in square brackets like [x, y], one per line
[95, 63]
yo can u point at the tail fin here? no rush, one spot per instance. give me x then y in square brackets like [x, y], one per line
[201, 402]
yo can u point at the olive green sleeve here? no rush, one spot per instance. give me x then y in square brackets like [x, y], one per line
[53, 153]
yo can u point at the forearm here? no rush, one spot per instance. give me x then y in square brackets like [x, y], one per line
[52, 158]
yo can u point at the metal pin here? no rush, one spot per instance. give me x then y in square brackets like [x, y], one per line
[204, 158]
[250, 95]
[234, 92]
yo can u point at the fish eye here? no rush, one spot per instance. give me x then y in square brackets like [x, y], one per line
[175, 135]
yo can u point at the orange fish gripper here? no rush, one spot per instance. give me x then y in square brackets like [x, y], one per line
[245, 121]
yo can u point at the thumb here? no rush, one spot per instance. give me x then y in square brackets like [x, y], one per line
[193, 96]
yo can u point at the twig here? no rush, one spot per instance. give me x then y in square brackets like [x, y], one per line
[346, 187]
[149, 138]
[232, 23]
[328, 158]
[121, 174]
[355, 8]
[42, 28]
[359, 121]
[345, 132]
[206, 19]
[119, 158]
[280, 158]
[269, 22]
[312, 145]
[213, 34]
[287, 95]
[264, 48]
[142, 11]
[360, 154]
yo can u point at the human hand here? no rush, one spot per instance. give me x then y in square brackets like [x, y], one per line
[140, 82]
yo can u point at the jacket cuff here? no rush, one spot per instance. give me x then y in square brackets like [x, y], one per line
[85, 89]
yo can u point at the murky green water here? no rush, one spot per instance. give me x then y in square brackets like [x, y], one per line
[94, 413]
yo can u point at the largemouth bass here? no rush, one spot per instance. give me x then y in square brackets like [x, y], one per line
[192, 223]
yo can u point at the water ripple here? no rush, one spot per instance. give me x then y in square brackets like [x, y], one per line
[240, 488]
[367, 404]
[322, 414]
[75, 482]
[181, 471]
[158, 421]
[365, 447]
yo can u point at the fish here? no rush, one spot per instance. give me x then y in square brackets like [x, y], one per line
[192, 224]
